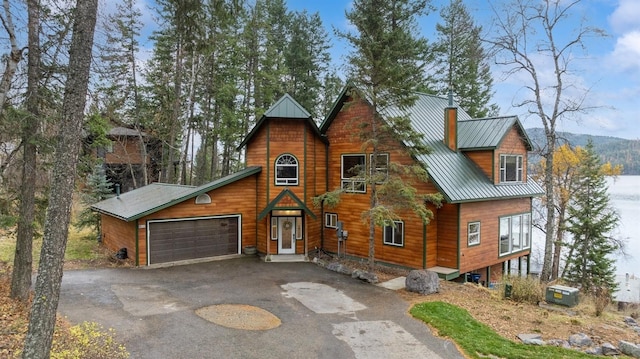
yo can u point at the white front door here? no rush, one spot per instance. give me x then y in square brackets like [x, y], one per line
[286, 235]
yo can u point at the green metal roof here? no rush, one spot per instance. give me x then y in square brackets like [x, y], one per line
[286, 107]
[274, 204]
[488, 133]
[149, 199]
[456, 176]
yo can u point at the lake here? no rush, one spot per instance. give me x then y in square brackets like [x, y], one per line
[624, 193]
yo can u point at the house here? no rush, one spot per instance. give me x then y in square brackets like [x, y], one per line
[129, 157]
[478, 165]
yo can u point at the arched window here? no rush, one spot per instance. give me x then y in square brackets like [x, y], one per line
[203, 199]
[286, 170]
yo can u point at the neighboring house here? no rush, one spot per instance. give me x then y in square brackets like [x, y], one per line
[125, 158]
[479, 166]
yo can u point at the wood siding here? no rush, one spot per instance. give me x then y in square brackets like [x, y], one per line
[484, 161]
[486, 254]
[344, 136]
[279, 136]
[118, 234]
[235, 198]
[126, 150]
[512, 144]
[447, 247]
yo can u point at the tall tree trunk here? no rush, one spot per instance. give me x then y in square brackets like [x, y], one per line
[557, 246]
[14, 57]
[175, 116]
[47, 292]
[23, 260]
[550, 227]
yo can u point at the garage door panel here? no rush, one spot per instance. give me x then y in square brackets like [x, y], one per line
[191, 239]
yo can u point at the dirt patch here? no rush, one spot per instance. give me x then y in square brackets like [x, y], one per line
[239, 316]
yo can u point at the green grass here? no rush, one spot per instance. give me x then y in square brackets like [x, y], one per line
[81, 245]
[478, 340]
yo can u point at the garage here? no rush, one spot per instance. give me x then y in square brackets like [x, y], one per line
[192, 238]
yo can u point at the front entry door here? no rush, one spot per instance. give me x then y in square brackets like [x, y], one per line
[286, 235]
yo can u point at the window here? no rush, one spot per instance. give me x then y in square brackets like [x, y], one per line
[286, 170]
[351, 173]
[203, 199]
[274, 228]
[473, 233]
[515, 233]
[394, 235]
[298, 228]
[381, 171]
[331, 220]
[510, 168]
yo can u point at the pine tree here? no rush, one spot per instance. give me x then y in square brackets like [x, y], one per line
[386, 66]
[98, 188]
[461, 62]
[591, 221]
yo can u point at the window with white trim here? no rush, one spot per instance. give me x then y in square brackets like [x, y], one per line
[352, 167]
[394, 235]
[515, 233]
[511, 168]
[380, 173]
[286, 170]
[331, 220]
[473, 233]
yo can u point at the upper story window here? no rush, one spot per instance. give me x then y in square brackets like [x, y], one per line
[352, 178]
[381, 171]
[511, 168]
[286, 170]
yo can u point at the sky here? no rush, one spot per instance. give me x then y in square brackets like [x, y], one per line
[609, 71]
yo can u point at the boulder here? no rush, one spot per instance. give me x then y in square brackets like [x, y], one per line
[609, 349]
[423, 282]
[534, 339]
[629, 349]
[365, 276]
[338, 267]
[580, 340]
[559, 343]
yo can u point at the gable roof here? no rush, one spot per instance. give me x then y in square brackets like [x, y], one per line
[488, 133]
[274, 204]
[456, 176]
[152, 198]
[288, 108]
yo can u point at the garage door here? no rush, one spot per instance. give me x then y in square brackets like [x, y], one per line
[170, 241]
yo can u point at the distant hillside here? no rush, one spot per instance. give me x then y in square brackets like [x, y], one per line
[611, 149]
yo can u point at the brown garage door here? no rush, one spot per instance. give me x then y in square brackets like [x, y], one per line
[170, 241]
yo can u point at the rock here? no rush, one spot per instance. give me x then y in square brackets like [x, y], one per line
[559, 343]
[423, 282]
[609, 349]
[365, 276]
[337, 267]
[533, 339]
[594, 351]
[580, 340]
[629, 349]
[630, 321]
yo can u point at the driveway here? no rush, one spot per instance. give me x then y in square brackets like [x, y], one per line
[321, 314]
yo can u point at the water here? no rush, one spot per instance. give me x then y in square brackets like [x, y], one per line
[624, 193]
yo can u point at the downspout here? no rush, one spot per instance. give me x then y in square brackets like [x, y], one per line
[458, 237]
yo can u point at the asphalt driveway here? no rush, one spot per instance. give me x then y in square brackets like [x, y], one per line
[323, 314]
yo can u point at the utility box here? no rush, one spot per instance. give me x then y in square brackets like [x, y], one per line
[562, 295]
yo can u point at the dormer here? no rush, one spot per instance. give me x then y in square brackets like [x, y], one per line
[498, 146]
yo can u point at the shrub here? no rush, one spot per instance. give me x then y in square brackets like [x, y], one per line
[89, 340]
[525, 289]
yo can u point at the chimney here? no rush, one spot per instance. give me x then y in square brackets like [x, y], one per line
[451, 124]
[118, 190]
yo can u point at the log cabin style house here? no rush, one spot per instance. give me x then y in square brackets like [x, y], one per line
[479, 166]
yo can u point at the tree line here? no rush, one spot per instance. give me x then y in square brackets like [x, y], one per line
[215, 67]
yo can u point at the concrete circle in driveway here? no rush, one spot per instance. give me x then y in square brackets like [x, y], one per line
[239, 316]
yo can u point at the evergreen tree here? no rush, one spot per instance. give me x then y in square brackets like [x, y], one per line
[461, 62]
[98, 188]
[591, 221]
[385, 65]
